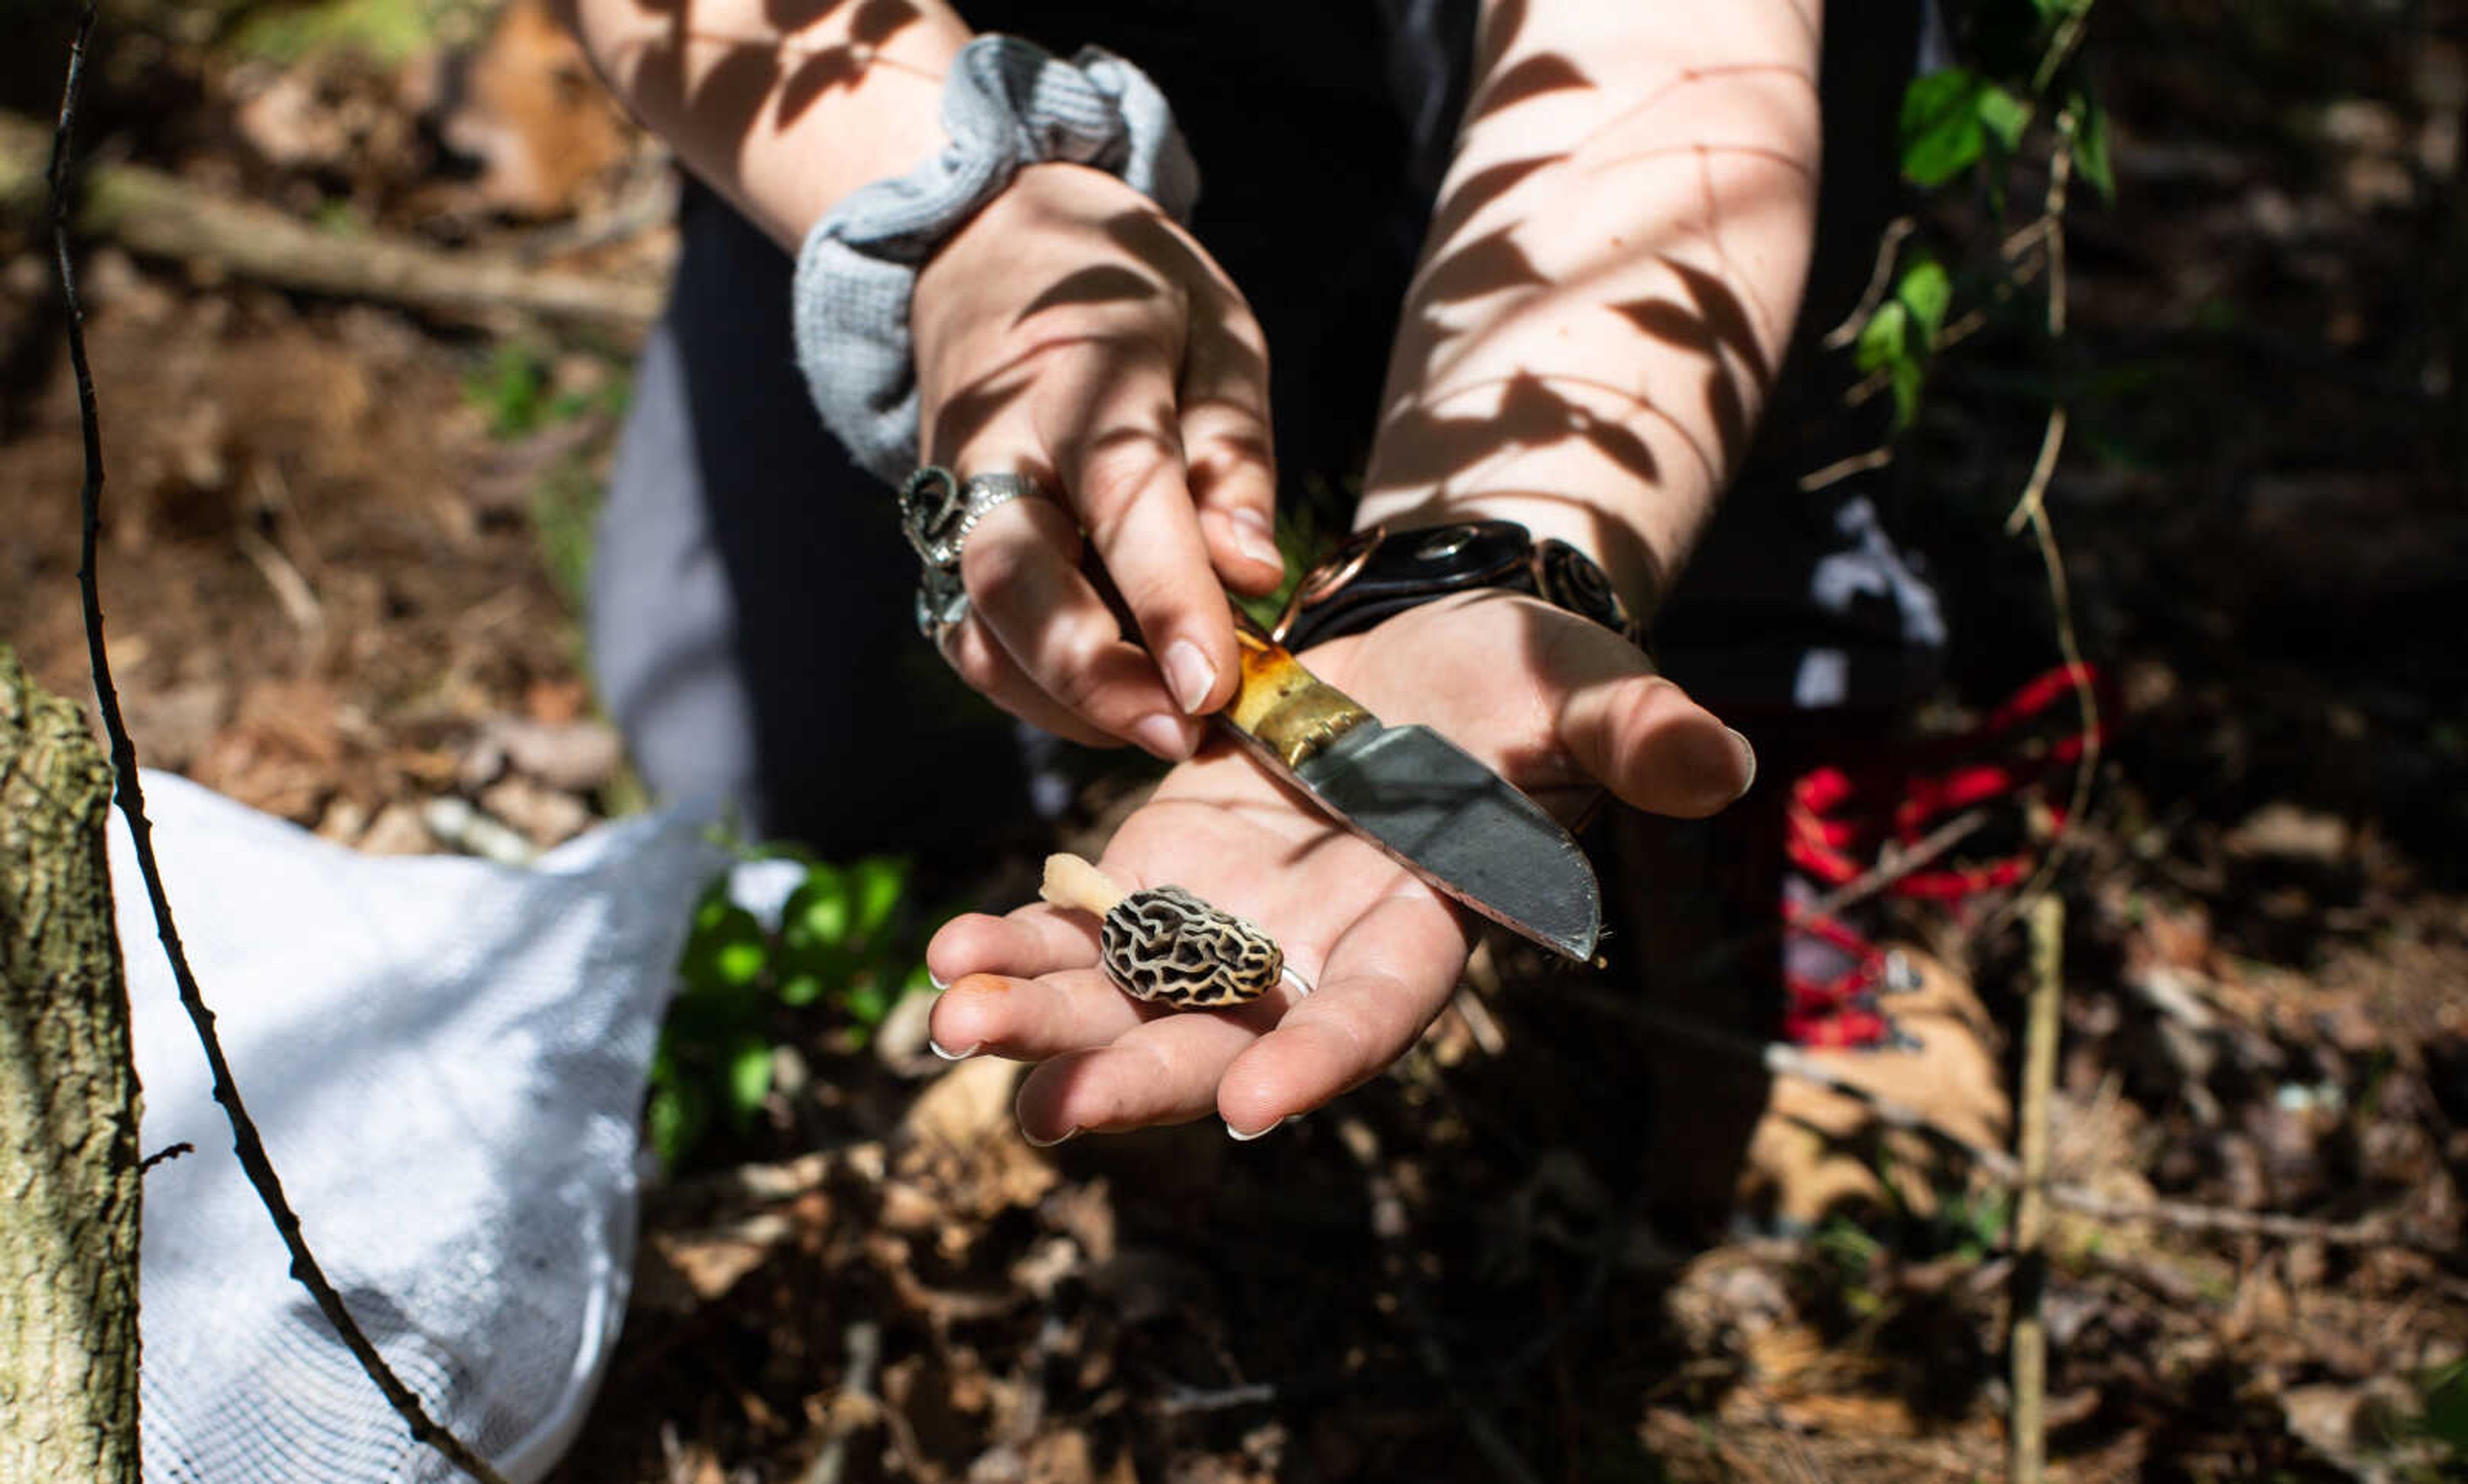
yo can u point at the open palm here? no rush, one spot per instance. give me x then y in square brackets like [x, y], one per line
[1557, 705]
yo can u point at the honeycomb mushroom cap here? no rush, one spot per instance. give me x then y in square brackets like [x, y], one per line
[1167, 946]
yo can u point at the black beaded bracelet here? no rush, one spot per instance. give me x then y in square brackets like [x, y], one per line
[1379, 573]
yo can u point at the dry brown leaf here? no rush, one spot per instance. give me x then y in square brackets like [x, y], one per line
[1804, 1162]
[531, 112]
[711, 1263]
[968, 1106]
[545, 816]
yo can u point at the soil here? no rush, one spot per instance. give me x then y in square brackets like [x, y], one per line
[340, 553]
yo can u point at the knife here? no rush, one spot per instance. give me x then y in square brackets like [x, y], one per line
[1422, 800]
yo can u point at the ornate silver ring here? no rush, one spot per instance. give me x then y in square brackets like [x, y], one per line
[937, 511]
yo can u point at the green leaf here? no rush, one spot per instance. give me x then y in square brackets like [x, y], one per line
[1926, 289]
[866, 1003]
[726, 949]
[2091, 145]
[2002, 115]
[880, 882]
[2446, 1408]
[1884, 340]
[1941, 126]
[1908, 375]
[819, 911]
[741, 960]
[676, 1118]
[749, 1080]
[802, 987]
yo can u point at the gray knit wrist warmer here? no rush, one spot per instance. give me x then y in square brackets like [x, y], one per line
[1006, 104]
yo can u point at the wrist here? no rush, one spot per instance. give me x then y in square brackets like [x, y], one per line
[1381, 572]
[1006, 105]
[1638, 559]
[984, 255]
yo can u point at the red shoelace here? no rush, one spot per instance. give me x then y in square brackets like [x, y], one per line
[1841, 820]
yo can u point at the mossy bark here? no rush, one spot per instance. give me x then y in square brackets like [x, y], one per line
[68, 1108]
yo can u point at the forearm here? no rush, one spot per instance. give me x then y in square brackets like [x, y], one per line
[1611, 277]
[781, 108]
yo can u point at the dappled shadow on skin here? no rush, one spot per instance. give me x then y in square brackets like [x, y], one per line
[1454, 441]
[656, 74]
[876, 22]
[1164, 258]
[1106, 284]
[1457, 440]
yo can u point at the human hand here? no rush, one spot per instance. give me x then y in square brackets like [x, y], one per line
[1559, 705]
[1073, 333]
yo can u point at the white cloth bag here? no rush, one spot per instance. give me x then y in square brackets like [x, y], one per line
[447, 1059]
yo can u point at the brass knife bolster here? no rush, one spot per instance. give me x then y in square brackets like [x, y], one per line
[1285, 708]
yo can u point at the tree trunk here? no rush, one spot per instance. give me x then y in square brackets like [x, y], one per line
[68, 1108]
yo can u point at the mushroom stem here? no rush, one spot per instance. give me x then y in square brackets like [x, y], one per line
[1073, 883]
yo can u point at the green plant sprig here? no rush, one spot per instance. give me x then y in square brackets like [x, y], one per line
[841, 944]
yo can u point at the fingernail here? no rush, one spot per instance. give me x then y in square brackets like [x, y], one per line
[1239, 1138]
[1190, 674]
[948, 1054]
[1064, 1137]
[936, 980]
[1748, 753]
[1256, 536]
[1167, 735]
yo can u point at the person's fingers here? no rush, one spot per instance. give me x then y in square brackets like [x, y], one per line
[1227, 448]
[1035, 939]
[1384, 980]
[1638, 733]
[1031, 1019]
[1118, 451]
[1163, 1071]
[981, 660]
[1025, 586]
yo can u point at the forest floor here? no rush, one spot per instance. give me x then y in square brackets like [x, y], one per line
[342, 565]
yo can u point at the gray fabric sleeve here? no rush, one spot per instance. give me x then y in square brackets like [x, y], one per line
[1006, 104]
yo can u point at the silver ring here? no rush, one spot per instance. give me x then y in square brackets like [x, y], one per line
[937, 512]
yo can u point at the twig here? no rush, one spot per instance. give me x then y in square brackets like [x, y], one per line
[1895, 865]
[291, 590]
[1879, 276]
[2032, 510]
[1888, 869]
[1186, 1400]
[159, 215]
[2027, 1436]
[1843, 469]
[1780, 1059]
[2031, 507]
[2192, 1216]
[1481, 1024]
[761, 1184]
[165, 1155]
[2068, 35]
[245, 1142]
[466, 827]
[863, 1340]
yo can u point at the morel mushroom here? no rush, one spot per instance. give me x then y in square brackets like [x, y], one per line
[1165, 945]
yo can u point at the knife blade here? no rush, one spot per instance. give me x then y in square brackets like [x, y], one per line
[1430, 806]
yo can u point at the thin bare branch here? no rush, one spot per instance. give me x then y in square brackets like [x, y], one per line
[2027, 1435]
[130, 798]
